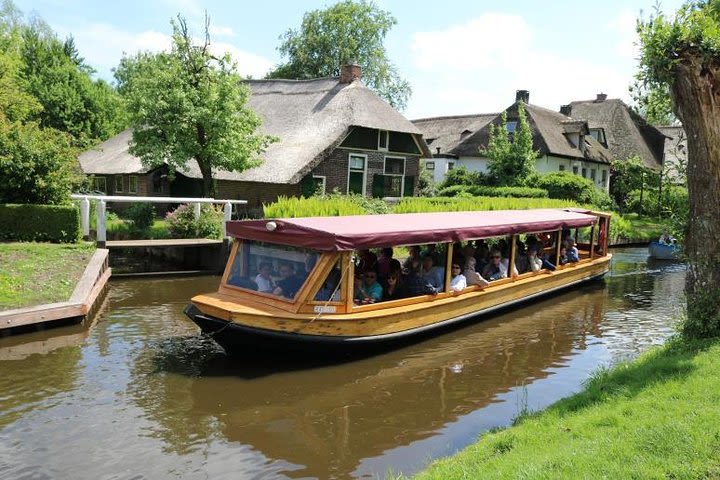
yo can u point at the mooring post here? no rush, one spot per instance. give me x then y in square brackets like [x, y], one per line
[101, 234]
[227, 210]
[85, 217]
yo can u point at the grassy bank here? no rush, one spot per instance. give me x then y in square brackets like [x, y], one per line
[655, 417]
[37, 273]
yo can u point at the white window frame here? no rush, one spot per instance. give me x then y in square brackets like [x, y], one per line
[603, 176]
[514, 123]
[593, 174]
[387, 140]
[428, 165]
[402, 176]
[132, 178]
[121, 180]
[324, 181]
[350, 170]
[450, 166]
[97, 181]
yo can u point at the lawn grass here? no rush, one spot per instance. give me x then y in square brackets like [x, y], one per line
[644, 228]
[37, 273]
[655, 417]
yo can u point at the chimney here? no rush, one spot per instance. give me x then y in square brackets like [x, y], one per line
[601, 97]
[350, 72]
[523, 95]
[566, 110]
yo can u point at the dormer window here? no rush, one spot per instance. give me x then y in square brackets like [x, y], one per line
[599, 135]
[383, 136]
[465, 133]
[511, 127]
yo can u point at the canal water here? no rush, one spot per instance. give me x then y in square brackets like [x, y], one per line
[140, 394]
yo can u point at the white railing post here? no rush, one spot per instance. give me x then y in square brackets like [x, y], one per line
[196, 207]
[85, 217]
[101, 233]
[227, 210]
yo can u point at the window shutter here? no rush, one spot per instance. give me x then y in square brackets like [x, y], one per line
[378, 186]
[409, 190]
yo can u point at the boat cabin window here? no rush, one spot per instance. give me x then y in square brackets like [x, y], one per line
[277, 270]
[331, 289]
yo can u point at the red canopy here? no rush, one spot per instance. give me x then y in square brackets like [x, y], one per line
[370, 231]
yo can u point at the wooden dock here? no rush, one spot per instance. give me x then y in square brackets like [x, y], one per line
[82, 302]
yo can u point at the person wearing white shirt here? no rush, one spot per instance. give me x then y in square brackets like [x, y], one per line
[263, 279]
[458, 282]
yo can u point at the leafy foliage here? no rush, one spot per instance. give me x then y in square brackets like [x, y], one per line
[629, 175]
[349, 31]
[483, 191]
[565, 185]
[462, 176]
[511, 161]
[142, 215]
[188, 104]
[426, 185]
[182, 223]
[652, 102]
[329, 205]
[40, 223]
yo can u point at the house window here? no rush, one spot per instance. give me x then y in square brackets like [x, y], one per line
[511, 127]
[119, 186]
[383, 140]
[598, 134]
[132, 184]
[575, 170]
[357, 173]
[584, 172]
[319, 183]
[430, 165]
[604, 176]
[100, 184]
[394, 176]
[561, 168]
[593, 174]
[451, 165]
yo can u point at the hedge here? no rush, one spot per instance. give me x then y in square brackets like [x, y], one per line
[40, 223]
[485, 191]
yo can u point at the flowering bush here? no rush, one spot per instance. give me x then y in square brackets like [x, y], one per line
[182, 223]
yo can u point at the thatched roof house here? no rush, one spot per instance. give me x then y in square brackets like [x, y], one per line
[622, 130]
[327, 128]
[675, 155]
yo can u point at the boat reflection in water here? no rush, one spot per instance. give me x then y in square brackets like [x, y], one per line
[324, 419]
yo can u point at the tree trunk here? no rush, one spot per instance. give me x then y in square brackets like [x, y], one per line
[208, 183]
[695, 93]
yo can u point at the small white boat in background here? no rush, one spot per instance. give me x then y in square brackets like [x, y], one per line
[663, 251]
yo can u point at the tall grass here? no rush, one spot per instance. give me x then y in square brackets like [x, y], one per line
[454, 204]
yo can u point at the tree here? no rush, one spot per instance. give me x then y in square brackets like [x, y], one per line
[187, 104]
[349, 31]
[682, 53]
[629, 175]
[511, 160]
[652, 103]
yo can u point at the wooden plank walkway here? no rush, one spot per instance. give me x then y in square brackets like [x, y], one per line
[81, 302]
[169, 242]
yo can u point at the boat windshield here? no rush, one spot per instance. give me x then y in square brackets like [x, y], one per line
[277, 270]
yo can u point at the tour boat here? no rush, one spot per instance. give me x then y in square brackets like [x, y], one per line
[290, 282]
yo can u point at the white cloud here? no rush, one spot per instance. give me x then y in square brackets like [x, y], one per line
[476, 67]
[102, 45]
[221, 31]
[622, 28]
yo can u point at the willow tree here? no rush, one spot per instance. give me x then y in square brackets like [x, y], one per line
[189, 104]
[682, 52]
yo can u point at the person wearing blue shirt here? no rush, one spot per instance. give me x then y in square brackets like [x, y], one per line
[433, 274]
[371, 291]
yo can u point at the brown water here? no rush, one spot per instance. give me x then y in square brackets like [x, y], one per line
[139, 394]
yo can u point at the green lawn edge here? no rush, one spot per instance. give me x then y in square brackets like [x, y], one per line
[39, 273]
[655, 417]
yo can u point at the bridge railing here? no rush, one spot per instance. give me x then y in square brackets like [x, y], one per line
[101, 202]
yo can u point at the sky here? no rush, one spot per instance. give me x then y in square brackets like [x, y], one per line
[460, 57]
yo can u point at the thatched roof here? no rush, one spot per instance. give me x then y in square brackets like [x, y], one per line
[447, 133]
[551, 135]
[675, 149]
[310, 117]
[627, 133]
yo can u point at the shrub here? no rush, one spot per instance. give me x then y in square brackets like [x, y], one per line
[182, 223]
[331, 205]
[40, 223]
[566, 185]
[485, 191]
[458, 204]
[141, 214]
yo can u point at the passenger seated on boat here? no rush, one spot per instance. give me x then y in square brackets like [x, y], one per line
[563, 256]
[458, 283]
[495, 270]
[263, 280]
[289, 282]
[535, 264]
[395, 287]
[571, 250]
[310, 261]
[367, 262]
[521, 258]
[472, 277]
[330, 290]
[413, 254]
[370, 290]
[432, 251]
[433, 274]
[383, 263]
[415, 284]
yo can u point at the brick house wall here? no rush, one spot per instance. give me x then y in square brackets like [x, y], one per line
[255, 193]
[335, 168]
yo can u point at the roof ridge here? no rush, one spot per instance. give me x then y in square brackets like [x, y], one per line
[447, 117]
[290, 80]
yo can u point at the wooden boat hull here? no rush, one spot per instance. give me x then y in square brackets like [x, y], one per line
[661, 251]
[379, 328]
